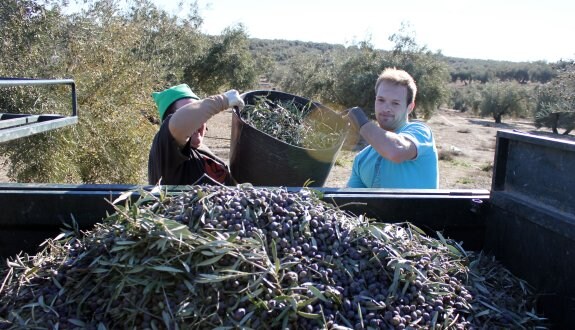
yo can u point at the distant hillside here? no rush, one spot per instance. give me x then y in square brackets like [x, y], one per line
[460, 68]
[283, 50]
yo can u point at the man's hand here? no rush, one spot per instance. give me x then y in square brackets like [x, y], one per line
[356, 117]
[234, 99]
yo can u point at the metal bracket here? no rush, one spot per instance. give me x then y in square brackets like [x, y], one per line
[14, 126]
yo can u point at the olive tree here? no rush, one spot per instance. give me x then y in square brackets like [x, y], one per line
[555, 101]
[31, 49]
[225, 64]
[355, 77]
[345, 77]
[504, 99]
[117, 56]
[466, 98]
[98, 49]
[431, 74]
[308, 75]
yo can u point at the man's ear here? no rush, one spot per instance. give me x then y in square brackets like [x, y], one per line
[410, 107]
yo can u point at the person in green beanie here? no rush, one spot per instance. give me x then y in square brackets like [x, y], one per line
[178, 155]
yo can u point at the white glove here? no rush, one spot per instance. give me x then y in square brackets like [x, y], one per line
[234, 99]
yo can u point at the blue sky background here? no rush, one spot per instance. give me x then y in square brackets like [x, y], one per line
[510, 30]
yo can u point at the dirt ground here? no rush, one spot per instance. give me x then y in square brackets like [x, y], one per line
[466, 147]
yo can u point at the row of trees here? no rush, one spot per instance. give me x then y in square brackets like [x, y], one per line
[550, 105]
[496, 99]
[343, 77]
[468, 71]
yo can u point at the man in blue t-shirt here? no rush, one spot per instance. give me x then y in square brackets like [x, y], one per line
[401, 154]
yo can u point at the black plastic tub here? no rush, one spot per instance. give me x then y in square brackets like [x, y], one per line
[263, 160]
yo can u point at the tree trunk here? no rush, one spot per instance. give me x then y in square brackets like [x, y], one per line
[497, 118]
[554, 123]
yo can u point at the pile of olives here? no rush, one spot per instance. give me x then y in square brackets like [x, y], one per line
[245, 257]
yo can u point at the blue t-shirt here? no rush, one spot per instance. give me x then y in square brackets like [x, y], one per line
[371, 170]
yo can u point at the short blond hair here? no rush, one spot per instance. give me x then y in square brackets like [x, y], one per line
[398, 77]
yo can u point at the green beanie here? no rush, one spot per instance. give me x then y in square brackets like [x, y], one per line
[166, 97]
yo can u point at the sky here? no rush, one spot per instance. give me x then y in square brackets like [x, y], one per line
[503, 30]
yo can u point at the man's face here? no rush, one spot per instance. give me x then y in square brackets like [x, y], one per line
[197, 136]
[391, 108]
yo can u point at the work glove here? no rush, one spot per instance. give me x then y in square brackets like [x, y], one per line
[356, 117]
[234, 99]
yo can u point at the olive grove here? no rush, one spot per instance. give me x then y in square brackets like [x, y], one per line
[119, 51]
